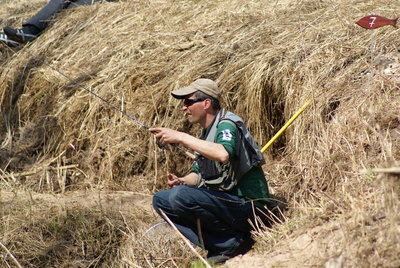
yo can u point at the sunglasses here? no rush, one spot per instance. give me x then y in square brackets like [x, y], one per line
[189, 102]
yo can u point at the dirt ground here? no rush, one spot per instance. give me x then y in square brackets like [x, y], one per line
[118, 200]
[301, 249]
[291, 253]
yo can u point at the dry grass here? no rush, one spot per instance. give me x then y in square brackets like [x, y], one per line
[269, 59]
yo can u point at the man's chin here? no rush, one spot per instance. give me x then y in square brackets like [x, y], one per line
[191, 120]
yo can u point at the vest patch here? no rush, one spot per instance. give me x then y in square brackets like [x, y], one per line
[226, 135]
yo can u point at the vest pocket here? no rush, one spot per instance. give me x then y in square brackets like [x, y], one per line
[215, 175]
[208, 169]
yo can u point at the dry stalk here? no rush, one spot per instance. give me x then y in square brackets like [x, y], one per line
[186, 241]
[11, 255]
[33, 172]
[392, 170]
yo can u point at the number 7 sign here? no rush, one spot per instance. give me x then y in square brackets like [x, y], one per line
[375, 21]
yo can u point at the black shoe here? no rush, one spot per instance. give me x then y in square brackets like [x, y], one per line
[7, 41]
[246, 245]
[218, 259]
[20, 35]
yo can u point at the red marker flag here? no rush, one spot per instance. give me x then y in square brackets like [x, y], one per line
[375, 21]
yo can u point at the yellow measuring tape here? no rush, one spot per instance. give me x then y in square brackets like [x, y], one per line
[286, 125]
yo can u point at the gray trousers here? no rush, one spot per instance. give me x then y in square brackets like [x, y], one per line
[48, 11]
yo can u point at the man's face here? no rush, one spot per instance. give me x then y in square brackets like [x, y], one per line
[194, 108]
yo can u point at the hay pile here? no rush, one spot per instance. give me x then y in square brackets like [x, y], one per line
[268, 58]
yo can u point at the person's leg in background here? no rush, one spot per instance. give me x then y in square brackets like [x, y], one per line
[35, 25]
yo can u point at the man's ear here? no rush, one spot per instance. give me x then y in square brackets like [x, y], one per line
[207, 104]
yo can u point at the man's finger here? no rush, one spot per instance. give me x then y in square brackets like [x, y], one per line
[155, 130]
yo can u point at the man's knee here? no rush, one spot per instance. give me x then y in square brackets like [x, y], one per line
[182, 198]
[155, 201]
[179, 199]
[160, 200]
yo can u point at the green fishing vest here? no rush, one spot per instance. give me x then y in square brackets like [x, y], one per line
[224, 177]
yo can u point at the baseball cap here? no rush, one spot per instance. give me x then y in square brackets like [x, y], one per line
[204, 85]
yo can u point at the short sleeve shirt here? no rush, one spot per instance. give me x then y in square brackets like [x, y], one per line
[253, 185]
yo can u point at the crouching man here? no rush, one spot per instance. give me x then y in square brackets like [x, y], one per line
[226, 188]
